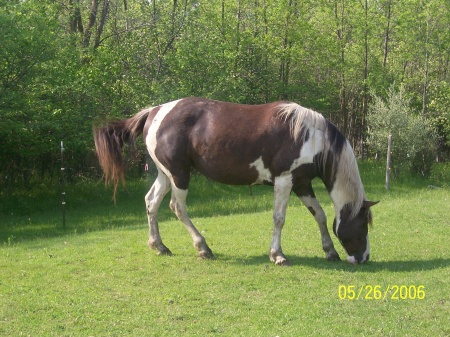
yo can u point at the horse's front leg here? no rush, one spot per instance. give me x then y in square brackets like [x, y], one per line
[153, 200]
[310, 201]
[282, 190]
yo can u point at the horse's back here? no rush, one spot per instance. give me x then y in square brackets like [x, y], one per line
[219, 139]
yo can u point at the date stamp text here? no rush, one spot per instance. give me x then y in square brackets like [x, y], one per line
[381, 293]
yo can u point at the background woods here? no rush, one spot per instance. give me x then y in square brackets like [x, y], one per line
[66, 65]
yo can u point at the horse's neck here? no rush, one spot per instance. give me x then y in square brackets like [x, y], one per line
[347, 188]
[342, 195]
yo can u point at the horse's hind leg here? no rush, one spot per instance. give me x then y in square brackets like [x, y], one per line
[153, 200]
[178, 206]
[309, 200]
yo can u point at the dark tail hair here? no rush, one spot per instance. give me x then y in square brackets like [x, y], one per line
[109, 142]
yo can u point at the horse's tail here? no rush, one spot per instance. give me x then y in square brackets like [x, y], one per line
[109, 142]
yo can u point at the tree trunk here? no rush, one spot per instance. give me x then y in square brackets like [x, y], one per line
[386, 34]
[125, 8]
[425, 76]
[76, 24]
[102, 22]
[238, 36]
[341, 39]
[286, 57]
[366, 71]
[92, 18]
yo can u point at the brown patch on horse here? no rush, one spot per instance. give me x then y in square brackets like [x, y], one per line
[202, 133]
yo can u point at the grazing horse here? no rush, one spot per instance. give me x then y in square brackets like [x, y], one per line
[280, 144]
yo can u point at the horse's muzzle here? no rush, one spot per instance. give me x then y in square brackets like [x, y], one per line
[357, 259]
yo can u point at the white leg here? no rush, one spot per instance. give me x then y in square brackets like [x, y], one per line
[153, 200]
[282, 190]
[178, 206]
[316, 210]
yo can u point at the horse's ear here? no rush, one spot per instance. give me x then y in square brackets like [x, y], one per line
[368, 204]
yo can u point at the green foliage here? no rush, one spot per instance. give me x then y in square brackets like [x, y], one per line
[413, 143]
[62, 68]
[440, 174]
[40, 100]
[440, 112]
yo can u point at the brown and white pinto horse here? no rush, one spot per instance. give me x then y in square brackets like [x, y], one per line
[280, 144]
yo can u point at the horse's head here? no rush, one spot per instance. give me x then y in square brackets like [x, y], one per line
[352, 232]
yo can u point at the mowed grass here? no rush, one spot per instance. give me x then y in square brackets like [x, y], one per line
[97, 277]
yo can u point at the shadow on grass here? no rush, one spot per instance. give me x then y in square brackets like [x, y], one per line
[369, 267]
[27, 216]
[100, 216]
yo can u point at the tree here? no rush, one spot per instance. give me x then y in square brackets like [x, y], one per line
[413, 138]
[65, 65]
[28, 47]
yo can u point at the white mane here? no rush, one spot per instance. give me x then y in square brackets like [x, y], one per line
[300, 118]
[348, 180]
[348, 185]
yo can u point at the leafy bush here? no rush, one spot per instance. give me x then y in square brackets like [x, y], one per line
[439, 111]
[440, 173]
[413, 139]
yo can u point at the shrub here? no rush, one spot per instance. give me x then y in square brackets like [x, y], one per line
[440, 173]
[413, 139]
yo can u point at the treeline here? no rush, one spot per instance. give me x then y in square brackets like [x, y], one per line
[68, 64]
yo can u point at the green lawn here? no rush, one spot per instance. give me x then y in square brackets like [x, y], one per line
[97, 277]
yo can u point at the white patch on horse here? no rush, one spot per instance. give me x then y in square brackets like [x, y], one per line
[263, 172]
[282, 190]
[338, 196]
[367, 252]
[151, 140]
[312, 147]
[352, 260]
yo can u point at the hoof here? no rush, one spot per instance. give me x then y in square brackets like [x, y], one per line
[165, 252]
[278, 258]
[162, 250]
[206, 255]
[333, 256]
[281, 261]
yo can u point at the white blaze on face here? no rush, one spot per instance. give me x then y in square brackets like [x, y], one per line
[151, 140]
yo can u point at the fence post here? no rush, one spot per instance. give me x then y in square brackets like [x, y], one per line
[63, 187]
[388, 162]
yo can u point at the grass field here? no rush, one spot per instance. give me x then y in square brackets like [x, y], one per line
[97, 277]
